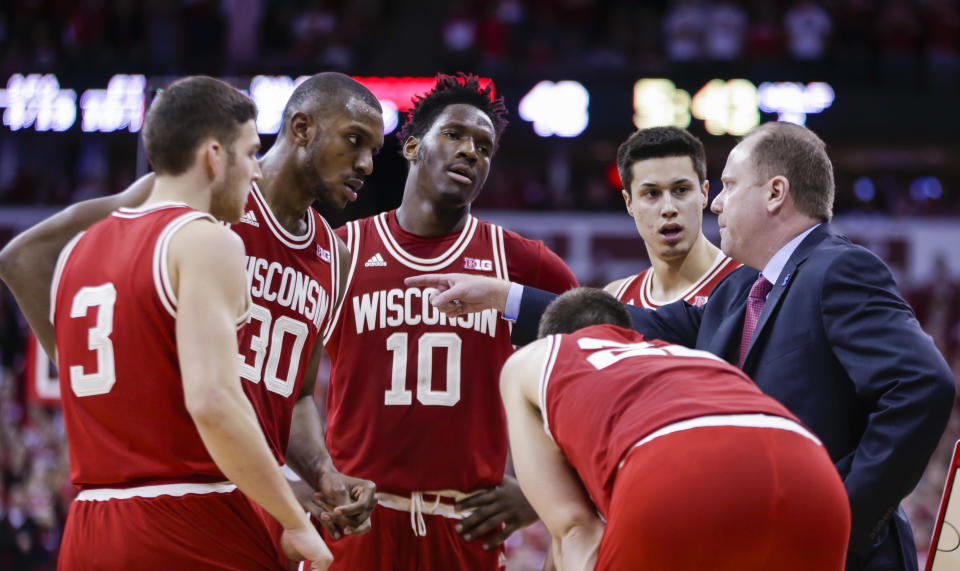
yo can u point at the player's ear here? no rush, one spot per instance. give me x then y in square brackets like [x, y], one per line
[301, 128]
[626, 200]
[705, 193]
[211, 152]
[410, 148]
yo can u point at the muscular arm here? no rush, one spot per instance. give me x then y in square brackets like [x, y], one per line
[207, 266]
[28, 261]
[549, 482]
[342, 503]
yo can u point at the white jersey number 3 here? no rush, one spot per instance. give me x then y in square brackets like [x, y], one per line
[99, 382]
[398, 393]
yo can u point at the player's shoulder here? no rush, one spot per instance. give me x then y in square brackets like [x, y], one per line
[613, 287]
[205, 237]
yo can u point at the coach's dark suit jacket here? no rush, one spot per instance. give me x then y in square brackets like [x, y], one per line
[838, 346]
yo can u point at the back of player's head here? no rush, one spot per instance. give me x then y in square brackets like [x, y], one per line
[326, 91]
[582, 307]
[450, 90]
[657, 143]
[188, 112]
[797, 153]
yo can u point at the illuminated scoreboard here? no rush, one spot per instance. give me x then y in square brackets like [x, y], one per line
[561, 109]
[726, 106]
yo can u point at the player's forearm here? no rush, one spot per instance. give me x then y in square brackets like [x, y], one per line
[307, 452]
[229, 429]
[577, 546]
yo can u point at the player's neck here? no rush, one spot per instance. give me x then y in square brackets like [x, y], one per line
[279, 189]
[191, 188]
[671, 278]
[425, 218]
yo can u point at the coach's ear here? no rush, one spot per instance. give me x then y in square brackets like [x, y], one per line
[410, 148]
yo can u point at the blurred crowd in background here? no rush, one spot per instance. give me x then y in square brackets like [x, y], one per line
[884, 45]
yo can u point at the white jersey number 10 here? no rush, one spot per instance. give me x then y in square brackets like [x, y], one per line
[398, 393]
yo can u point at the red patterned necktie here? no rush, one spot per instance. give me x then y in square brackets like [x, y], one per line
[755, 301]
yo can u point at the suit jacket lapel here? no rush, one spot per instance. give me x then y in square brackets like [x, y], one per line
[787, 277]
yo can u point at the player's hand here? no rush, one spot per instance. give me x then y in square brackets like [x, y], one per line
[459, 294]
[343, 504]
[503, 504]
[304, 544]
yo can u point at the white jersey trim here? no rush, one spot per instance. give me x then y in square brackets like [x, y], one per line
[353, 244]
[424, 264]
[334, 275]
[646, 287]
[161, 267]
[138, 211]
[754, 420]
[622, 290]
[288, 239]
[553, 350]
[176, 490]
[499, 253]
[58, 272]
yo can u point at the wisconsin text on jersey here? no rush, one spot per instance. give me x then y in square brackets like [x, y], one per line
[272, 281]
[395, 307]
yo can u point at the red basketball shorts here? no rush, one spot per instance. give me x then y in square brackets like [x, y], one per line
[194, 531]
[727, 498]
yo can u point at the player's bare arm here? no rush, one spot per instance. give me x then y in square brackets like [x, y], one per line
[546, 478]
[341, 503]
[459, 294]
[28, 261]
[207, 270]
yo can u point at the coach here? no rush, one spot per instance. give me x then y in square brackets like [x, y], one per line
[822, 328]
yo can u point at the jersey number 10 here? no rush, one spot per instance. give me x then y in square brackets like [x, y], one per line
[398, 393]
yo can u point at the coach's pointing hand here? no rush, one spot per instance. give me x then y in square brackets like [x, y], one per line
[503, 504]
[458, 294]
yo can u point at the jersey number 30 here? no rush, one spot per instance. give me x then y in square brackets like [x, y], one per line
[398, 393]
[272, 339]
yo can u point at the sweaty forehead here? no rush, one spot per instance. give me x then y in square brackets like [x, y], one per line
[663, 170]
[351, 110]
[466, 115]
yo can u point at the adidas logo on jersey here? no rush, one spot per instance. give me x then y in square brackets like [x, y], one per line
[249, 218]
[376, 261]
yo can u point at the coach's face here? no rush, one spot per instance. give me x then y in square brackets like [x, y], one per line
[339, 157]
[452, 160]
[741, 208]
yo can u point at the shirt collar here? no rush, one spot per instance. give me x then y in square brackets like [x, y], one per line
[774, 267]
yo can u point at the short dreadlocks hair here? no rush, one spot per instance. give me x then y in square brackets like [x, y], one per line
[450, 90]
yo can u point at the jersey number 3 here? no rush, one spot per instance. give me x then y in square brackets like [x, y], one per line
[99, 382]
[398, 393]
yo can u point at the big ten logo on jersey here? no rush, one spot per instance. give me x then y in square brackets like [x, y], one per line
[604, 352]
[478, 264]
[699, 301]
[389, 308]
[323, 254]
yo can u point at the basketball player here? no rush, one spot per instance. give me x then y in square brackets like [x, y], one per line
[687, 462]
[145, 309]
[665, 187]
[332, 126]
[432, 433]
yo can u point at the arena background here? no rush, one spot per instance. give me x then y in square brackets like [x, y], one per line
[877, 80]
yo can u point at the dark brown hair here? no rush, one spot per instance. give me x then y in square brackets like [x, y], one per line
[582, 307]
[656, 143]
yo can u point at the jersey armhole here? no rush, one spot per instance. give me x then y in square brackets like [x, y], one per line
[161, 265]
[353, 245]
[58, 272]
[553, 349]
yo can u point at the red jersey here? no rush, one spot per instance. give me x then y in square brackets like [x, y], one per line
[638, 289]
[294, 281]
[114, 313]
[414, 402]
[604, 388]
